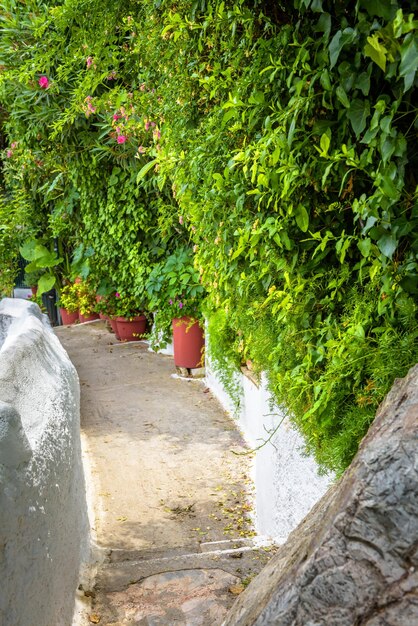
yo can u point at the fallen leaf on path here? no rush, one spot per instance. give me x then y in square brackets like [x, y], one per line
[94, 619]
[236, 589]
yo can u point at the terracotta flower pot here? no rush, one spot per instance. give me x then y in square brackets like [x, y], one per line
[88, 318]
[68, 318]
[112, 322]
[34, 289]
[189, 341]
[131, 329]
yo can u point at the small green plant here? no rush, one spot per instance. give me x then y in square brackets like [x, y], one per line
[174, 290]
[86, 298]
[69, 298]
[42, 265]
[127, 306]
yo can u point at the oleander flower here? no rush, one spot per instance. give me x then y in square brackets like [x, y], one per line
[43, 82]
[121, 139]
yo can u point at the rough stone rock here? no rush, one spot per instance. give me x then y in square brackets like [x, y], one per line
[353, 561]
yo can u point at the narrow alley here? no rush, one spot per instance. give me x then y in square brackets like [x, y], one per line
[170, 488]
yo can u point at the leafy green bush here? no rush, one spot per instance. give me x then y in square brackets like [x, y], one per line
[276, 141]
[174, 291]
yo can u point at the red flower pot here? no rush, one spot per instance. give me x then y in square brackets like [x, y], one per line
[88, 318]
[188, 341]
[68, 318]
[34, 290]
[131, 329]
[112, 322]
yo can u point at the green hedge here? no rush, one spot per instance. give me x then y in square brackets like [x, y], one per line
[283, 150]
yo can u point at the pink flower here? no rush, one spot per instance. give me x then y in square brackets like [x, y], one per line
[141, 150]
[142, 87]
[153, 124]
[43, 82]
[13, 145]
[9, 153]
[117, 116]
[121, 139]
[180, 305]
[117, 295]
[147, 125]
[180, 219]
[170, 302]
[89, 61]
[157, 134]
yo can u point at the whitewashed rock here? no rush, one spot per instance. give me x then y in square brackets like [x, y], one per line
[43, 515]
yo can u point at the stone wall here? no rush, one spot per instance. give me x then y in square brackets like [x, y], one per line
[353, 561]
[43, 518]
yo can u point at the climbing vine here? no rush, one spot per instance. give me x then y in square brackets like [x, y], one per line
[276, 142]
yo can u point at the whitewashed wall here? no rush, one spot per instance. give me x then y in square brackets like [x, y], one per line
[43, 515]
[287, 481]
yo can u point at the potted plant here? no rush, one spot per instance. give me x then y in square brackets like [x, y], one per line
[86, 302]
[131, 322]
[69, 304]
[106, 308]
[176, 296]
[32, 278]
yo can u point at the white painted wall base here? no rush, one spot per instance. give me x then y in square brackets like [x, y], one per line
[287, 481]
[43, 514]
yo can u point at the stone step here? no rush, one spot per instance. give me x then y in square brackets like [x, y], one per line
[185, 586]
[124, 569]
[116, 555]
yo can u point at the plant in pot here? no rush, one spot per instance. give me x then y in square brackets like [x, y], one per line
[131, 322]
[86, 302]
[69, 304]
[176, 297]
[32, 278]
[106, 307]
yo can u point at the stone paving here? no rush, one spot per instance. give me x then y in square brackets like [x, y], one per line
[170, 488]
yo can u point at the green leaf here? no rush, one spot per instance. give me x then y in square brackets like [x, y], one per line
[363, 83]
[358, 113]
[338, 42]
[325, 143]
[365, 245]
[228, 115]
[409, 60]
[302, 217]
[45, 283]
[387, 245]
[28, 250]
[144, 170]
[325, 80]
[376, 51]
[342, 96]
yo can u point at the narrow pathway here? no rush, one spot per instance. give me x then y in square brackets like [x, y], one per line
[171, 500]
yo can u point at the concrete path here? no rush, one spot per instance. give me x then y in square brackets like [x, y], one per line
[171, 500]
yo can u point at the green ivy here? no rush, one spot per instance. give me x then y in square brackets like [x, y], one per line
[275, 141]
